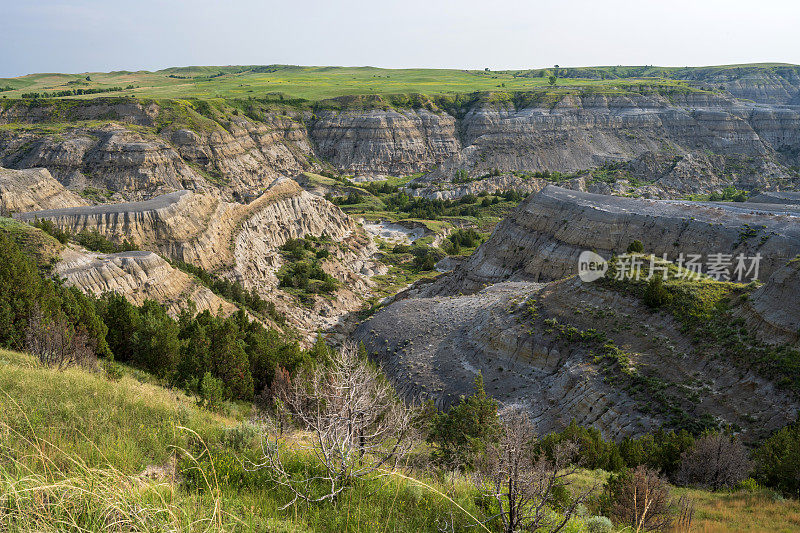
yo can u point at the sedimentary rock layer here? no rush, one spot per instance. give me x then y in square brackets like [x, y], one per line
[33, 189]
[141, 150]
[138, 276]
[542, 239]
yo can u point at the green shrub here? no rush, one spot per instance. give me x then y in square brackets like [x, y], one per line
[308, 276]
[467, 238]
[594, 451]
[749, 485]
[636, 247]
[211, 391]
[240, 437]
[599, 524]
[656, 294]
[93, 240]
[113, 370]
[778, 461]
[466, 429]
[51, 229]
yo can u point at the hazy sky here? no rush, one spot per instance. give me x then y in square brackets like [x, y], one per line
[103, 35]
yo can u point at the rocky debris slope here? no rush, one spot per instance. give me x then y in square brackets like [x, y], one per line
[542, 239]
[139, 276]
[33, 189]
[435, 347]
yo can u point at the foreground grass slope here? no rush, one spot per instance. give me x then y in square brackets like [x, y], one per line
[65, 435]
[81, 452]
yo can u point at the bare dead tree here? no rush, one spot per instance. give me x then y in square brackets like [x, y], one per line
[523, 482]
[358, 426]
[683, 522]
[716, 461]
[56, 343]
[642, 501]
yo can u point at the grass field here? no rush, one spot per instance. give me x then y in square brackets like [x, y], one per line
[317, 83]
[79, 452]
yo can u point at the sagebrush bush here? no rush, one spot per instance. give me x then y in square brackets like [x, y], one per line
[599, 524]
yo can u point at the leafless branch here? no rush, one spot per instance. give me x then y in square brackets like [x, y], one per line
[523, 482]
[358, 426]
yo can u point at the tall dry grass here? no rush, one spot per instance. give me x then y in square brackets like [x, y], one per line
[37, 493]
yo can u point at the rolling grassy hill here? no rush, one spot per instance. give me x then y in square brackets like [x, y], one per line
[316, 83]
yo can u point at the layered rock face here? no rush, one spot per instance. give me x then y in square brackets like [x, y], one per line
[385, 141]
[248, 155]
[542, 239]
[585, 132]
[239, 241]
[111, 158]
[139, 276]
[32, 190]
[779, 85]
[434, 348]
[161, 221]
[142, 150]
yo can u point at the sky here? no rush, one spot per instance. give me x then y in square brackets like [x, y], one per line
[105, 35]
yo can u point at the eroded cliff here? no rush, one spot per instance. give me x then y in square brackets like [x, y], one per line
[138, 149]
[542, 239]
[138, 276]
[32, 190]
[240, 241]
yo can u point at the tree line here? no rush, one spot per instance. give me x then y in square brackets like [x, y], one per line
[73, 92]
[217, 357]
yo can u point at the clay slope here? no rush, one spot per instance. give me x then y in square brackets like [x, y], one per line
[32, 190]
[435, 347]
[139, 276]
[542, 239]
